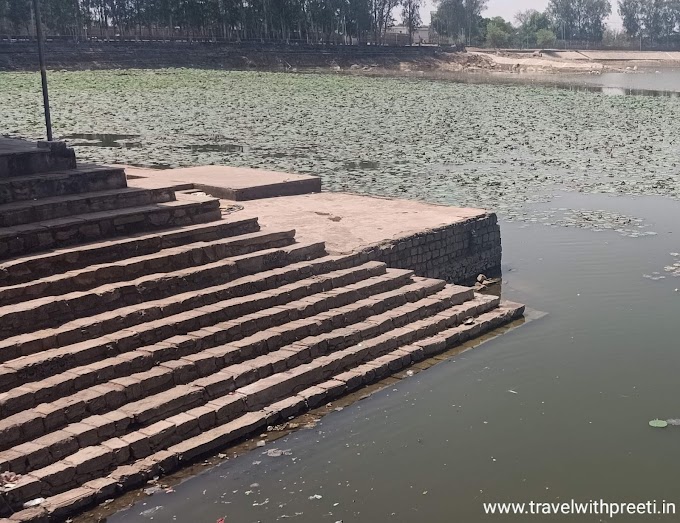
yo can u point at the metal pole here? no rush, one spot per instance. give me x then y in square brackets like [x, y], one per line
[43, 71]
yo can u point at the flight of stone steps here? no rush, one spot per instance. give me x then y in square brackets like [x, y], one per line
[127, 357]
[48, 201]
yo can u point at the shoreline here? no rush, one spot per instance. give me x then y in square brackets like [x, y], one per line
[365, 60]
[550, 78]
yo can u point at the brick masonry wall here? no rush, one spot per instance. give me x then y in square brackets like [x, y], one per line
[457, 253]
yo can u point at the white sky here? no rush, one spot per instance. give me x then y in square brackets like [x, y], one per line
[508, 8]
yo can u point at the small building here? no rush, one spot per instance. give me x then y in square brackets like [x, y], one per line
[398, 35]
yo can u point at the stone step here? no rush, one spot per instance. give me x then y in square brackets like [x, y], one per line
[191, 356]
[167, 260]
[317, 362]
[140, 411]
[29, 211]
[53, 311]
[122, 320]
[382, 366]
[80, 228]
[18, 158]
[166, 444]
[83, 179]
[36, 266]
[330, 384]
[49, 366]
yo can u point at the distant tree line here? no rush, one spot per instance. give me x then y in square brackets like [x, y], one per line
[657, 21]
[460, 19]
[349, 21]
[581, 20]
[649, 22]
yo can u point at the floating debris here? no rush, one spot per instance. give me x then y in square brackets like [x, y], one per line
[595, 220]
[277, 453]
[150, 512]
[671, 270]
[285, 426]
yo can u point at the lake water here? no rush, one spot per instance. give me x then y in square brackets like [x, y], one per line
[496, 146]
[586, 185]
[650, 81]
[644, 82]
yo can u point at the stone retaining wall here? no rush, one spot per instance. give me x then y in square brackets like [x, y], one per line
[113, 55]
[457, 252]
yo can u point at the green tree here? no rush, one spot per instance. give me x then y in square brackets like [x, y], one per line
[473, 12]
[580, 19]
[410, 16]
[19, 14]
[530, 22]
[545, 38]
[358, 18]
[4, 11]
[595, 12]
[631, 15]
[498, 32]
[381, 11]
[670, 18]
[651, 16]
[61, 16]
[449, 18]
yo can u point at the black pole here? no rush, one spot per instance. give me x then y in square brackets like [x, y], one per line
[43, 71]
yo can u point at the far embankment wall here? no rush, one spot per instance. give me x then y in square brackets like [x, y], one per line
[131, 54]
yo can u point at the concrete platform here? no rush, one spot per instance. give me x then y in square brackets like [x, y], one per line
[352, 222]
[230, 183]
[436, 241]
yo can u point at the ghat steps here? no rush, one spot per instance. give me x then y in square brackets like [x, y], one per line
[47, 201]
[159, 341]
